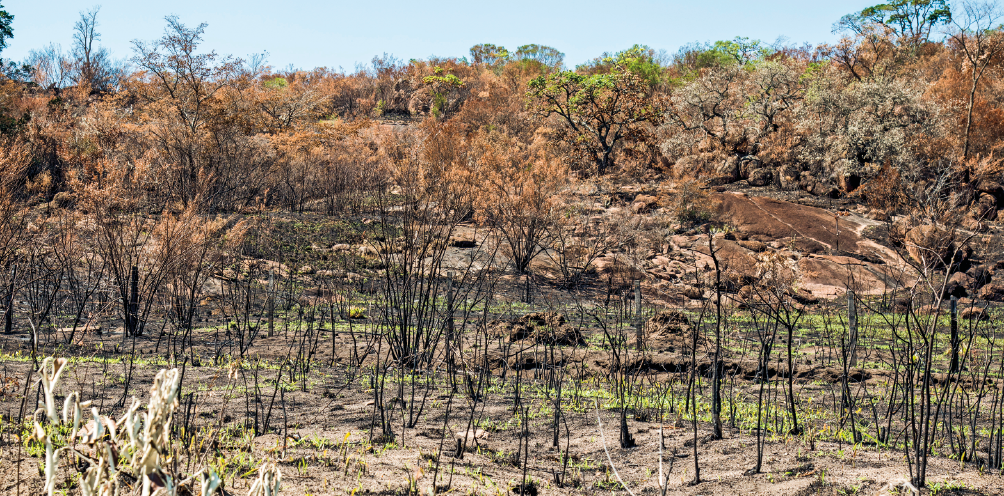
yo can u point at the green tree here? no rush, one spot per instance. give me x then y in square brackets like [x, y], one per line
[693, 57]
[545, 56]
[6, 32]
[9, 69]
[741, 50]
[444, 87]
[640, 60]
[488, 54]
[911, 20]
[600, 112]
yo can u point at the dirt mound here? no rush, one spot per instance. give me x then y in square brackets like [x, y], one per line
[541, 327]
[679, 362]
[666, 323]
[669, 330]
[974, 313]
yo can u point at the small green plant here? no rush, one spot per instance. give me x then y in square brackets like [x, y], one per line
[607, 483]
[942, 487]
[412, 476]
[849, 491]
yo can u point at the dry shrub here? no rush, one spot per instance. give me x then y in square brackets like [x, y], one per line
[335, 163]
[192, 247]
[517, 192]
[14, 161]
[985, 169]
[15, 157]
[884, 192]
[692, 205]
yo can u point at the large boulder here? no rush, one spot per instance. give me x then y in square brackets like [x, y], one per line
[760, 177]
[692, 293]
[644, 203]
[814, 185]
[828, 276]
[974, 313]
[980, 275]
[802, 228]
[958, 285]
[930, 245]
[962, 279]
[748, 164]
[992, 292]
[729, 168]
[985, 208]
[824, 252]
[900, 226]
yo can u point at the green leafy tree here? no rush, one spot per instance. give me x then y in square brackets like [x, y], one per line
[741, 50]
[911, 20]
[488, 54]
[442, 86]
[8, 69]
[692, 58]
[545, 56]
[6, 32]
[640, 60]
[600, 112]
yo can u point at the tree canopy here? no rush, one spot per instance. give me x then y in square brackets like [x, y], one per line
[6, 31]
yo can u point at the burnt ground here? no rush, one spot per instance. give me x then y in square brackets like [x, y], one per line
[321, 425]
[316, 417]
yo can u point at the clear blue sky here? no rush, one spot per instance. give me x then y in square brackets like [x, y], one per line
[337, 33]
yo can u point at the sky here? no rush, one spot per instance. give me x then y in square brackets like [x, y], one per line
[304, 34]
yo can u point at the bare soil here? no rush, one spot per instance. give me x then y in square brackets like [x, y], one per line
[322, 434]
